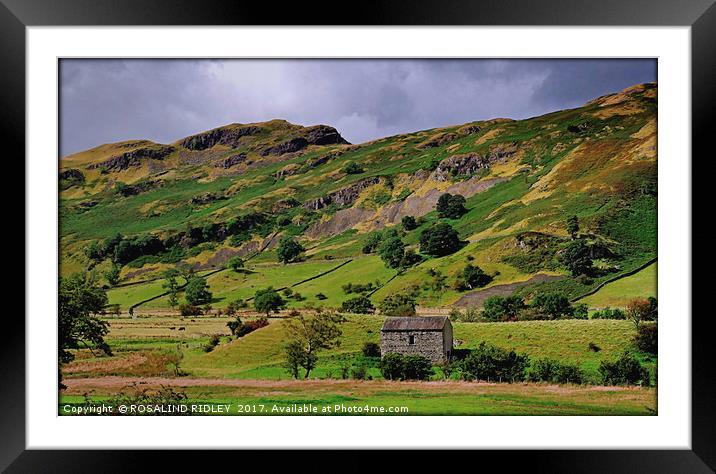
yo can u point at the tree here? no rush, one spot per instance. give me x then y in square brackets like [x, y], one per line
[172, 286]
[624, 371]
[353, 168]
[235, 263]
[79, 300]
[573, 226]
[358, 305]
[391, 252]
[398, 305]
[638, 311]
[475, 277]
[392, 366]
[439, 240]
[577, 258]
[372, 242]
[197, 292]
[553, 305]
[451, 206]
[409, 222]
[268, 300]
[501, 308]
[646, 338]
[112, 275]
[235, 325]
[185, 270]
[289, 250]
[307, 335]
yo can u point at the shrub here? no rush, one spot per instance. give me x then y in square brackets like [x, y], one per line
[502, 308]
[608, 313]
[489, 362]
[398, 367]
[189, 310]
[416, 367]
[409, 222]
[235, 264]
[581, 311]
[353, 168]
[359, 372]
[593, 347]
[548, 370]
[470, 315]
[392, 366]
[251, 326]
[398, 305]
[646, 338]
[234, 326]
[321, 296]
[359, 305]
[475, 277]
[439, 240]
[624, 371]
[213, 342]
[371, 349]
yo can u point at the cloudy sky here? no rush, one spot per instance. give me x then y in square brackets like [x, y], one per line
[105, 101]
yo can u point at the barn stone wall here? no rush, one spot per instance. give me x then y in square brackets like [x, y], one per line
[430, 344]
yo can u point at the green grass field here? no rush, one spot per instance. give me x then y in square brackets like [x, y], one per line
[617, 294]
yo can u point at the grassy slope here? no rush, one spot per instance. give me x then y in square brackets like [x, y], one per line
[618, 293]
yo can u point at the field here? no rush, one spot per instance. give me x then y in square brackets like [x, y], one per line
[618, 293]
[249, 370]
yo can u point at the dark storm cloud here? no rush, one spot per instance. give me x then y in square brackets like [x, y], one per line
[163, 100]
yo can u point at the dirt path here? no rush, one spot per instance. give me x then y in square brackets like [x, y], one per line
[477, 297]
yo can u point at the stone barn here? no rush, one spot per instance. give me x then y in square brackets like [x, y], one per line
[429, 336]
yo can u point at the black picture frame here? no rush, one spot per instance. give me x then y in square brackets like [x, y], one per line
[700, 15]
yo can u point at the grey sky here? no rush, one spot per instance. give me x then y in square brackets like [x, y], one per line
[105, 101]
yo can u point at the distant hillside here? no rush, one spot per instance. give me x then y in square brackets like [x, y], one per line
[238, 189]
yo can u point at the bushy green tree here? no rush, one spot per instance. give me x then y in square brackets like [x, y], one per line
[398, 305]
[307, 335]
[409, 222]
[502, 308]
[549, 370]
[573, 226]
[353, 168]
[439, 240]
[112, 275]
[289, 250]
[553, 305]
[577, 258]
[268, 300]
[488, 362]
[624, 371]
[646, 338]
[475, 277]
[359, 305]
[235, 263]
[392, 252]
[79, 301]
[451, 206]
[197, 292]
[172, 286]
[392, 366]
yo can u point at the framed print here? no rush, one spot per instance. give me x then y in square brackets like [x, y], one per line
[431, 228]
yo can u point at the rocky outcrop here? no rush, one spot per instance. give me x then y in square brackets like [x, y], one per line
[228, 136]
[232, 160]
[322, 160]
[338, 223]
[288, 170]
[70, 177]
[132, 158]
[469, 129]
[289, 146]
[206, 198]
[127, 190]
[438, 140]
[324, 135]
[342, 197]
[470, 163]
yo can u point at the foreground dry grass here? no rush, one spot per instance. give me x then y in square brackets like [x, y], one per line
[435, 397]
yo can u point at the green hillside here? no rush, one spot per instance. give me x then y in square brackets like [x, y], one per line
[238, 190]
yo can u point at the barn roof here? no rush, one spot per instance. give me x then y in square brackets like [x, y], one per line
[425, 323]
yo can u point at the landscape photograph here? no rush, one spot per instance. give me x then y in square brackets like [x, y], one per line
[399, 237]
